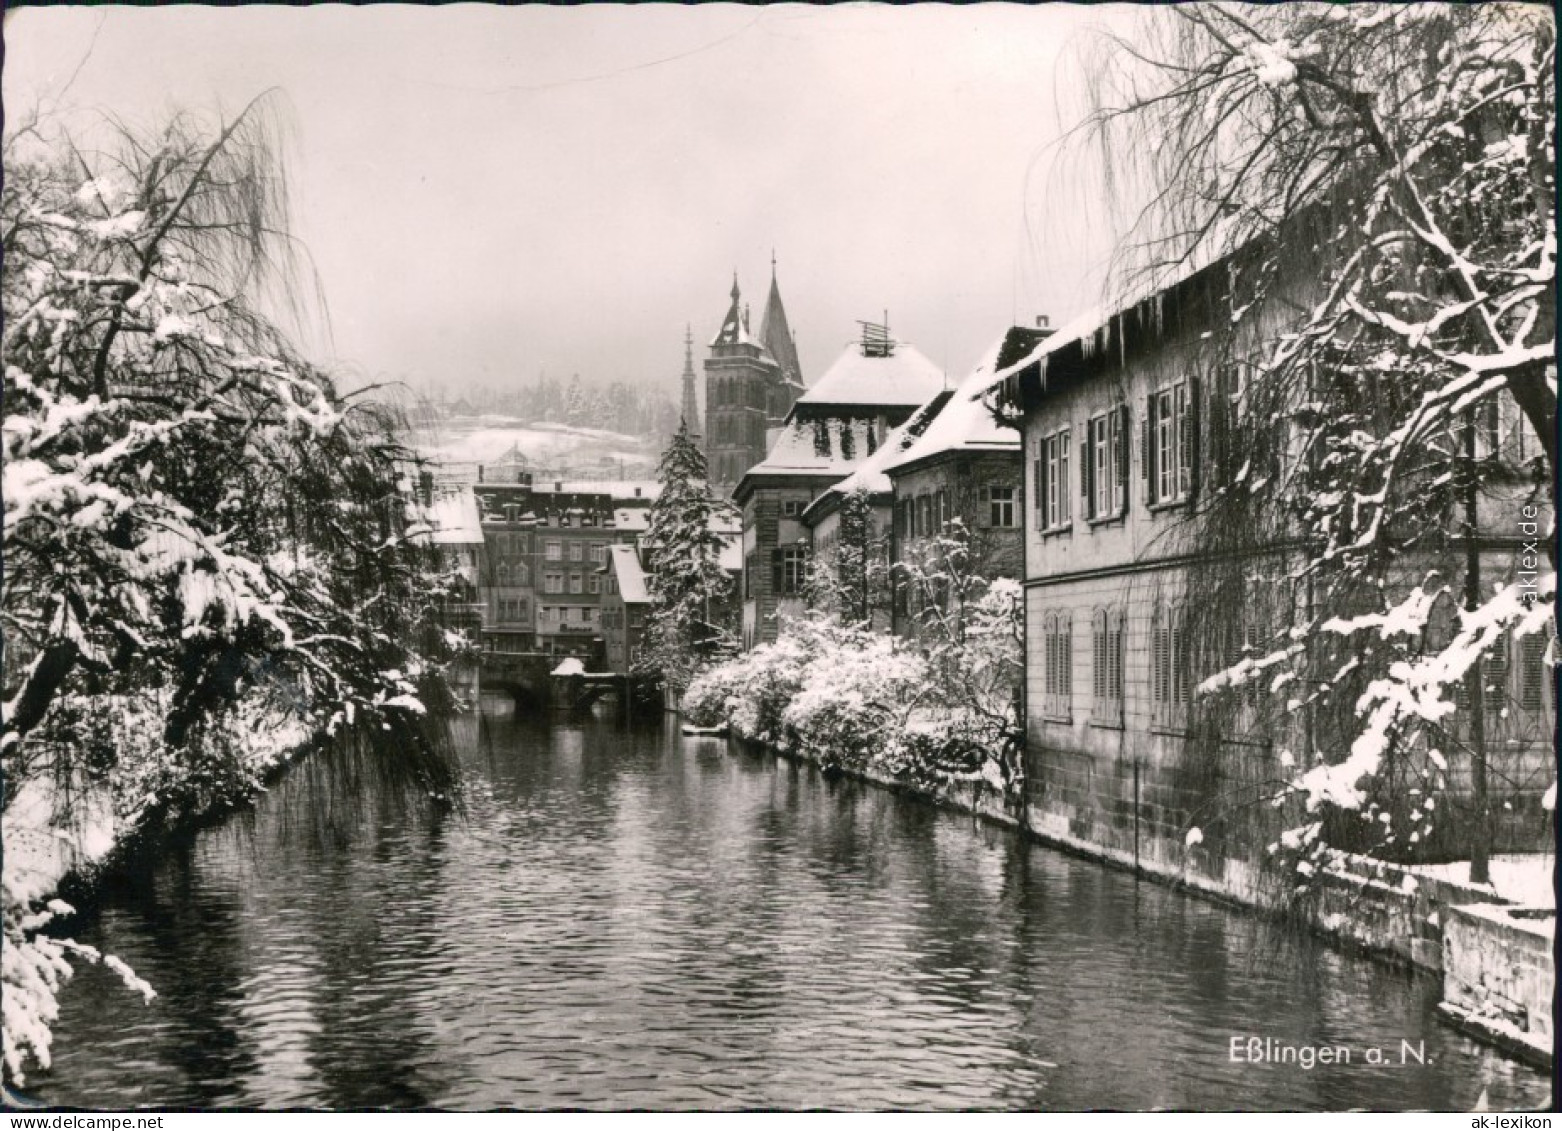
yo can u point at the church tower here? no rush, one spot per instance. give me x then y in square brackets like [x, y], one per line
[750, 384]
[691, 405]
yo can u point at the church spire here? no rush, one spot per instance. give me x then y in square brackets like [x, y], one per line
[734, 328]
[691, 406]
[774, 333]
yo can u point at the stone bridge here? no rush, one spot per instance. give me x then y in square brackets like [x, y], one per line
[528, 678]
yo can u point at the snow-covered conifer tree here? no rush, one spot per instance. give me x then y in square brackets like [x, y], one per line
[689, 587]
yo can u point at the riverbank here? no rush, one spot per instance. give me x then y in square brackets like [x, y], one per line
[1427, 919]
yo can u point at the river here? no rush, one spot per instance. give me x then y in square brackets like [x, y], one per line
[623, 918]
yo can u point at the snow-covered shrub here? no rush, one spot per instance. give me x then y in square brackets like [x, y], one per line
[854, 697]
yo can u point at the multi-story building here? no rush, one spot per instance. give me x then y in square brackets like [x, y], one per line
[750, 384]
[868, 593]
[838, 423]
[626, 601]
[545, 545]
[963, 473]
[1128, 421]
[455, 529]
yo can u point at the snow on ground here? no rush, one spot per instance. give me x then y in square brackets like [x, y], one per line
[1524, 879]
[491, 445]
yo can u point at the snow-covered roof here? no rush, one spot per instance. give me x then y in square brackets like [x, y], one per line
[870, 474]
[454, 517]
[1092, 328]
[619, 489]
[632, 518]
[797, 449]
[624, 561]
[904, 379]
[966, 423]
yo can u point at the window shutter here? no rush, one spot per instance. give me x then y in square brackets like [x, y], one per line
[776, 570]
[1041, 485]
[1121, 444]
[1086, 473]
[1063, 501]
[1098, 659]
[1147, 469]
[1192, 444]
[1533, 673]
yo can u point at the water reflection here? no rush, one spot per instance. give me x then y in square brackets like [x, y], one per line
[625, 918]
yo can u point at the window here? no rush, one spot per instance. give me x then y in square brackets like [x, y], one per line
[1169, 466]
[1002, 507]
[502, 574]
[791, 508]
[1104, 466]
[593, 583]
[599, 553]
[789, 566]
[1494, 674]
[588, 519]
[553, 583]
[564, 519]
[575, 583]
[924, 515]
[1058, 659]
[511, 512]
[1052, 481]
[1168, 667]
[612, 584]
[576, 552]
[553, 551]
[522, 574]
[907, 519]
[1106, 655]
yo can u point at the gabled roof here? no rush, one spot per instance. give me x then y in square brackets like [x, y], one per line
[904, 379]
[967, 424]
[624, 563]
[776, 335]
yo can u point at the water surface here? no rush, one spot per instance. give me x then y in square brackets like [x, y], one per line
[629, 919]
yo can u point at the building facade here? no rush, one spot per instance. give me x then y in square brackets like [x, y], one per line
[836, 425]
[626, 602]
[545, 546]
[1126, 422]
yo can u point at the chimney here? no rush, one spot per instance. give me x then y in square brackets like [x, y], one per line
[637, 492]
[1041, 321]
[479, 473]
[558, 486]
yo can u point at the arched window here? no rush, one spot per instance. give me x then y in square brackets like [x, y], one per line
[1168, 666]
[503, 574]
[1106, 654]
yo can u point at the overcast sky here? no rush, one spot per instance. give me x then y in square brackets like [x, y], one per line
[492, 192]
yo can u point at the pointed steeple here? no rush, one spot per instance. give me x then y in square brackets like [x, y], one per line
[691, 406]
[774, 333]
[734, 327]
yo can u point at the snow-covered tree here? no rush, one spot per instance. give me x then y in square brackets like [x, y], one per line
[852, 580]
[198, 527]
[1399, 158]
[690, 589]
[577, 404]
[969, 628]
